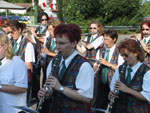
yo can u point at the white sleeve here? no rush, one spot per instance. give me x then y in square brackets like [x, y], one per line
[114, 79]
[120, 60]
[83, 46]
[97, 42]
[29, 53]
[20, 73]
[146, 86]
[85, 80]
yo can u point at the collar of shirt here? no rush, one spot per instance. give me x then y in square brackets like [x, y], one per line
[69, 59]
[147, 39]
[4, 60]
[134, 68]
[94, 36]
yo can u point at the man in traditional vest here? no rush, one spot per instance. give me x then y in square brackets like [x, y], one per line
[72, 84]
[131, 80]
[109, 59]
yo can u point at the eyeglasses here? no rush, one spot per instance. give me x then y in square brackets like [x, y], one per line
[125, 54]
[43, 19]
[92, 27]
[145, 29]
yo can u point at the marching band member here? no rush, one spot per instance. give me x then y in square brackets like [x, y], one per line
[74, 82]
[93, 41]
[22, 47]
[13, 78]
[131, 80]
[109, 59]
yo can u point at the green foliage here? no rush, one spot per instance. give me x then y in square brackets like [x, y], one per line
[108, 12]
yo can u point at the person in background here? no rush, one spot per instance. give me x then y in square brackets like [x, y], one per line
[5, 24]
[144, 40]
[131, 81]
[91, 43]
[39, 36]
[13, 78]
[71, 94]
[22, 47]
[109, 59]
[51, 52]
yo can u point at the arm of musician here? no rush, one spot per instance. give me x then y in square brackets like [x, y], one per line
[41, 39]
[12, 89]
[122, 87]
[45, 50]
[80, 49]
[88, 46]
[29, 65]
[73, 94]
[108, 64]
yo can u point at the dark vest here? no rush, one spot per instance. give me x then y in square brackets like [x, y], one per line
[126, 103]
[114, 60]
[61, 101]
[38, 45]
[91, 53]
[22, 47]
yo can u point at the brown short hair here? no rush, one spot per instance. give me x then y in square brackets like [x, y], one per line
[132, 46]
[72, 31]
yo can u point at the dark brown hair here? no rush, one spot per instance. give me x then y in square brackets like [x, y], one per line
[72, 31]
[132, 46]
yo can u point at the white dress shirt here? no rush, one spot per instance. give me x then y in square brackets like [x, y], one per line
[13, 72]
[96, 43]
[29, 51]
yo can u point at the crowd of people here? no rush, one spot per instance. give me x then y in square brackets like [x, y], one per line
[80, 75]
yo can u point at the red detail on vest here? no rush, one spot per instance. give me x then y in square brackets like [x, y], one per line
[88, 108]
[30, 75]
[148, 108]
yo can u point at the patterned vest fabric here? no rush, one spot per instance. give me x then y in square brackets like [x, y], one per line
[48, 46]
[114, 60]
[61, 103]
[147, 57]
[127, 103]
[38, 43]
[22, 47]
[91, 53]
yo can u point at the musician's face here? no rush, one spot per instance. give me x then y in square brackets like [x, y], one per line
[15, 33]
[65, 46]
[93, 28]
[145, 30]
[44, 20]
[109, 42]
[129, 57]
[51, 30]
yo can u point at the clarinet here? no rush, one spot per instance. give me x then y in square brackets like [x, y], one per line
[55, 64]
[116, 92]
